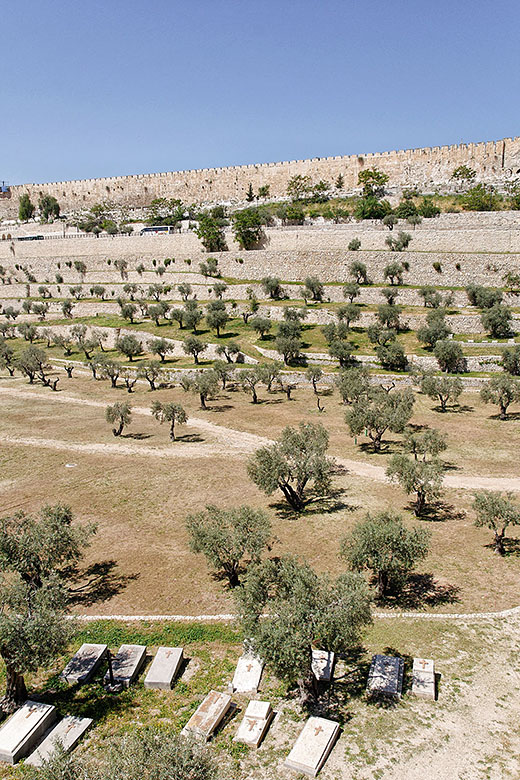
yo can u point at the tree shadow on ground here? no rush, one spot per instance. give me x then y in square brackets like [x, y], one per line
[136, 436]
[86, 701]
[350, 683]
[438, 512]
[315, 505]
[221, 408]
[190, 437]
[388, 447]
[422, 590]
[511, 547]
[98, 582]
[454, 409]
[509, 416]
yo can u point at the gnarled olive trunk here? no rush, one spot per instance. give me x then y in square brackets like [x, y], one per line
[15, 690]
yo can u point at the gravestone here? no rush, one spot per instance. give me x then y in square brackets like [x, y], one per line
[385, 677]
[68, 732]
[164, 668]
[247, 674]
[127, 664]
[423, 678]
[84, 664]
[206, 719]
[255, 723]
[22, 732]
[322, 664]
[312, 748]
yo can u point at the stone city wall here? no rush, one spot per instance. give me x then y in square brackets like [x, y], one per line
[427, 168]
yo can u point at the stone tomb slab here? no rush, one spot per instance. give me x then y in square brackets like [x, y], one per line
[209, 714]
[164, 668]
[423, 678]
[322, 664]
[255, 723]
[313, 746]
[127, 664]
[68, 732]
[247, 674]
[385, 677]
[84, 664]
[21, 733]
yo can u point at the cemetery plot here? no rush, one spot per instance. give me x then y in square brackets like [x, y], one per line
[127, 664]
[68, 732]
[24, 729]
[312, 748]
[322, 664]
[385, 677]
[204, 722]
[423, 678]
[164, 668]
[84, 664]
[247, 674]
[255, 723]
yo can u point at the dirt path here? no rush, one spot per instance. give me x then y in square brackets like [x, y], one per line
[233, 442]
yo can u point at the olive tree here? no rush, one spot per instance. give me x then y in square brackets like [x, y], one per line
[205, 384]
[30, 361]
[229, 538]
[130, 346]
[286, 609]
[118, 414]
[262, 325]
[249, 378]
[294, 463]
[193, 346]
[442, 388]
[37, 554]
[169, 412]
[497, 320]
[423, 478]
[511, 360]
[353, 383]
[378, 411]
[160, 347]
[450, 356]
[501, 390]
[314, 288]
[497, 512]
[216, 315]
[383, 545]
[150, 371]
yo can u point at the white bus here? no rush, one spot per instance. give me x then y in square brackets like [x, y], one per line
[155, 230]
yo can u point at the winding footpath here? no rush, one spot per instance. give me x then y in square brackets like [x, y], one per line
[229, 442]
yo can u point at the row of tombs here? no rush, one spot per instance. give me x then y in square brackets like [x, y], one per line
[32, 734]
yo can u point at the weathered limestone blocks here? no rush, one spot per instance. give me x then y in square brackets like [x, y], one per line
[84, 664]
[164, 668]
[385, 677]
[255, 723]
[313, 746]
[210, 713]
[67, 733]
[423, 678]
[23, 730]
[126, 665]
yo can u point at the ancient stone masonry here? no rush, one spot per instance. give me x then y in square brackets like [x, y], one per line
[428, 168]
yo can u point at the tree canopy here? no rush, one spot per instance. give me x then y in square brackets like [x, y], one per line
[294, 463]
[304, 610]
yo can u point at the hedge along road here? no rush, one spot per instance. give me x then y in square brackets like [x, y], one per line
[233, 443]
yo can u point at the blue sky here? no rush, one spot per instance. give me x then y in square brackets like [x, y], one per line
[108, 88]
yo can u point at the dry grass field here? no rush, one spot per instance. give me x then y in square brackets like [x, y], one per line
[140, 487]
